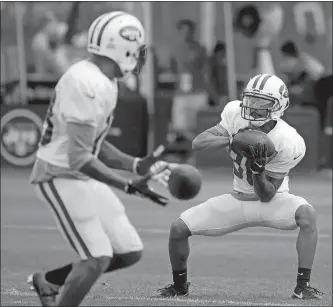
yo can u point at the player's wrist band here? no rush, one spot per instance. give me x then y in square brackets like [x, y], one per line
[135, 165]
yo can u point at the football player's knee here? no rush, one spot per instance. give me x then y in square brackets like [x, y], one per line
[306, 217]
[179, 230]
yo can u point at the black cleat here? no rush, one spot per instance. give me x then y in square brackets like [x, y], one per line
[305, 292]
[173, 291]
[46, 291]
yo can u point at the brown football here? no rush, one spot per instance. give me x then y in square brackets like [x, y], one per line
[243, 140]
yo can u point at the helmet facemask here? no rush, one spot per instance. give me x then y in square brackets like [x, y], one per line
[142, 58]
[258, 109]
[139, 60]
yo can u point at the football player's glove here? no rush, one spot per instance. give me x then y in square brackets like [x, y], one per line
[140, 186]
[142, 165]
[259, 158]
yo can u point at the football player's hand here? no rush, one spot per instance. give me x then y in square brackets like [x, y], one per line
[142, 165]
[162, 177]
[140, 187]
[259, 158]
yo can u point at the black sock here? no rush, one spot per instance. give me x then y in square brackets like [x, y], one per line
[303, 276]
[180, 277]
[59, 275]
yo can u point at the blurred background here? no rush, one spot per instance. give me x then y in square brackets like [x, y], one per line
[201, 55]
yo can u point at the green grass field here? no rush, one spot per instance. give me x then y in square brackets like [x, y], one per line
[254, 267]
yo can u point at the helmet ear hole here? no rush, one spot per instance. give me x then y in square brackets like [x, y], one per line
[127, 54]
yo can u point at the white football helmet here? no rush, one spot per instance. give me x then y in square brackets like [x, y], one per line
[119, 36]
[265, 98]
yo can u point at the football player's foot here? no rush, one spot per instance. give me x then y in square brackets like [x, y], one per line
[306, 292]
[46, 291]
[174, 291]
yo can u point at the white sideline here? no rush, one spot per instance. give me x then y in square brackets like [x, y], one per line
[166, 231]
[16, 293]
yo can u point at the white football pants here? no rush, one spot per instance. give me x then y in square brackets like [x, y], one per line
[90, 216]
[225, 214]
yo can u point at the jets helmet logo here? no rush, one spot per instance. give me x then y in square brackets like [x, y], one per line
[130, 33]
[283, 91]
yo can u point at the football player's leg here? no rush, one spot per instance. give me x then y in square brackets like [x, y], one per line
[307, 238]
[128, 249]
[72, 202]
[215, 217]
[286, 212]
[306, 248]
[126, 243]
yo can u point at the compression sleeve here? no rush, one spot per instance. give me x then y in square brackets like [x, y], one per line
[80, 145]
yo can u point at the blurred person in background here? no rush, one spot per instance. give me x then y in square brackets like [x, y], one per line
[190, 63]
[324, 93]
[52, 45]
[218, 73]
[301, 71]
[189, 58]
[308, 86]
[45, 44]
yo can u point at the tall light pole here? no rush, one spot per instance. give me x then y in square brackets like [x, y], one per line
[229, 41]
[148, 81]
[19, 12]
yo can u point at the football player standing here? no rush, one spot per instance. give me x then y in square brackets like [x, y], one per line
[260, 195]
[73, 170]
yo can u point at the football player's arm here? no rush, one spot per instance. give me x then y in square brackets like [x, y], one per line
[216, 137]
[269, 181]
[81, 113]
[114, 158]
[213, 138]
[81, 141]
[267, 184]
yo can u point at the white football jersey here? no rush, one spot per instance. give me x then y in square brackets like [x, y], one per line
[83, 95]
[289, 145]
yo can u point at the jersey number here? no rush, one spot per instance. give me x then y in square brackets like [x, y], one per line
[48, 125]
[241, 167]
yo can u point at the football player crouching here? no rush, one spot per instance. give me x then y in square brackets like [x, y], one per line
[260, 184]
